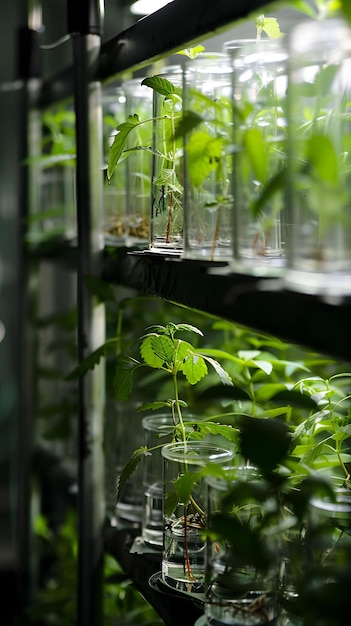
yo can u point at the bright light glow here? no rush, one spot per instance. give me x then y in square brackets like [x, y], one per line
[145, 7]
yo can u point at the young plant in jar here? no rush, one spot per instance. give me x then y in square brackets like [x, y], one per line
[189, 458]
[166, 209]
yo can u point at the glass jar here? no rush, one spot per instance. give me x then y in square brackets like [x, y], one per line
[166, 220]
[138, 162]
[158, 431]
[115, 190]
[185, 510]
[260, 130]
[325, 584]
[55, 217]
[208, 201]
[129, 433]
[241, 565]
[319, 243]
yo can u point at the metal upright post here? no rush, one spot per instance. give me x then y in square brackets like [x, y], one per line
[84, 24]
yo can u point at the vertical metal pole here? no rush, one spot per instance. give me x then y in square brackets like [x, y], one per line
[91, 323]
[16, 98]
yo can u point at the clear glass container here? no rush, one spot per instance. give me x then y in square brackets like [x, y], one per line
[138, 162]
[260, 131]
[241, 568]
[166, 220]
[115, 190]
[128, 435]
[319, 243]
[158, 431]
[185, 510]
[325, 584]
[208, 201]
[54, 214]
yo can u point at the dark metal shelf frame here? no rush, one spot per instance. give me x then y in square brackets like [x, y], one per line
[177, 25]
[262, 304]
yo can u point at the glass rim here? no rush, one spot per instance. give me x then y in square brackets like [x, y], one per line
[246, 473]
[196, 452]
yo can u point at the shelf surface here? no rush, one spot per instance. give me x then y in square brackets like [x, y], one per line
[261, 304]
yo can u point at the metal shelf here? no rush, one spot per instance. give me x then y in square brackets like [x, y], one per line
[263, 305]
[152, 38]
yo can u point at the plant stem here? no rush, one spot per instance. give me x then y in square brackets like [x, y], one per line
[186, 547]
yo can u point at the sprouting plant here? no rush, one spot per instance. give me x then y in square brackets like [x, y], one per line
[322, 440]
[269, 25]
[160, 348]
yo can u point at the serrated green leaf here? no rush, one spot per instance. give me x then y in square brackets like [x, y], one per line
[170, 502]
[153, 406]
[90, 361]
[168, 178]
[123, 379]
[156, 350]
[224, 430]
[194, 368]
[161, 85]
[130, 468]
[271, 28]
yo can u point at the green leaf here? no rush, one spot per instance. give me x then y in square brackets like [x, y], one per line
[325, 78]
[220, 371]
[123, 380]
[265, 366]
[194, 368]
[170, 502]
[168, 178]
[224, 430]
[90, 361]
[245, 542]
[193, 52]
[119, 142]
[204, 152]
[148, 149]
[157, 350]
[184, 485]
[322, 157]
[255, 148]
[161, 85]
[188, 122]
[153, 406]
[269, 25]
[189, 328]
[275, 184]
[130, 468]
[248, 355]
